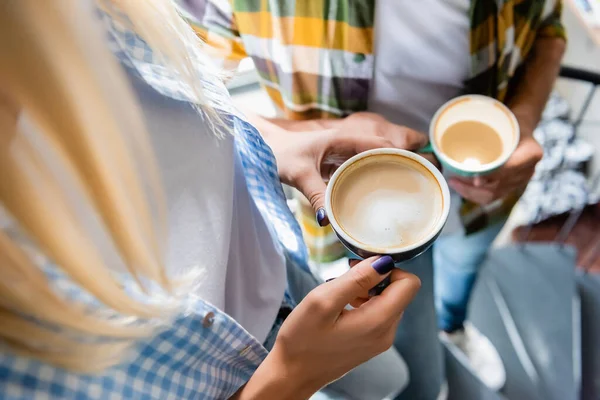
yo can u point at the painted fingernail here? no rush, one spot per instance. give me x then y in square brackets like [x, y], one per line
[321, 216]
[383, 265]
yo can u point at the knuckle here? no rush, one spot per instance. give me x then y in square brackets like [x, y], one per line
[317, 302]
[362, 279]
[412, 140]
[385, 341]
[381, 324]
[388, 143]
[414, 281]
[403, 143]
[315, 198]
[285, 336]
[388, 338]
[538, 150]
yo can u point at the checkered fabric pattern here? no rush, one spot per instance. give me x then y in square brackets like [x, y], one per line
[315, 58]
[263, 182]
[203, 354]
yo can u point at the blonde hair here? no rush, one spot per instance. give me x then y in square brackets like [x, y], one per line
[79, 179]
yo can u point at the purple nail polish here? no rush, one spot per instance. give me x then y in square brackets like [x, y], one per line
[383, 265]
[321, 216]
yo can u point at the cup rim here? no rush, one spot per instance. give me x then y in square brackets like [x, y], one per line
[399, 152]
[460, 166]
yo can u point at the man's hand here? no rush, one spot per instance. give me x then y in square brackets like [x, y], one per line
[513, 175]
[307, 159]
[526, 100]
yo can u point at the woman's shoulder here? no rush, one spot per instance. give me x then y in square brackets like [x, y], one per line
[137, 55]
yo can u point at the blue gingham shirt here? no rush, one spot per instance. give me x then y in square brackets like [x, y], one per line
[204, 354]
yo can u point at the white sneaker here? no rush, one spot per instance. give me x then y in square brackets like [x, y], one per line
[478, 354]
[443, 394]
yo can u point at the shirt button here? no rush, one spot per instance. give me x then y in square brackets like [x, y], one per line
[244, 351]
[208, 320]
[359, 57]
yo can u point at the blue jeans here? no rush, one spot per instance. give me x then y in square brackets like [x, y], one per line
[417, 339]
[457, 259]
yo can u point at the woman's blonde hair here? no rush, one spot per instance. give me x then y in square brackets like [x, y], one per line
[79, 180]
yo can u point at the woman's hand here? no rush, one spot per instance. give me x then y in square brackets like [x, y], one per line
[308, 152]
[321, 340]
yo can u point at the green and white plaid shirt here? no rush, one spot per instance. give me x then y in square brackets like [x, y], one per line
[315, 57]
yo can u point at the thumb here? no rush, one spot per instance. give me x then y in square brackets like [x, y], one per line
[358, 280]
[313, 188]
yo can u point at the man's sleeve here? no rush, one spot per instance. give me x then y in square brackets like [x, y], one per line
[551, 25]
[214, 22]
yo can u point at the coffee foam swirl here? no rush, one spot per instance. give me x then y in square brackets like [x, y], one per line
[387, 201]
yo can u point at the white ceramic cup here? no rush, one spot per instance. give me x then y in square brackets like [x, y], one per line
[400, 253]
[478, 108]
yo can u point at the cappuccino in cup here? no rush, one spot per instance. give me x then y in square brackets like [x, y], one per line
[473, 135]
[387, 201]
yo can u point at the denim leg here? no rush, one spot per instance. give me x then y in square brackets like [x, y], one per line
[456, 260]
[417, 338]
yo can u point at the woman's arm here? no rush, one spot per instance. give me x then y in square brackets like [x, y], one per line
[308, 152]
[9, 110]
[273, 380]
[321, 340]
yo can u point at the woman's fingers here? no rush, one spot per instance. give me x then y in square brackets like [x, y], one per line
[380, 315]
[311, 185]
[432, 159]
[359, 301]
[338, 293]
[366, 295]
[352, 262]
[392, 302]
[406, 138]
[334, 147]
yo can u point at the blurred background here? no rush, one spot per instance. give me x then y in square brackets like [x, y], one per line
[583, 52]
[544, 273]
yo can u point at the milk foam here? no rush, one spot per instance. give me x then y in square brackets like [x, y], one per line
[387, 201]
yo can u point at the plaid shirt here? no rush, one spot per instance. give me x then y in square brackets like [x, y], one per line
[315, 58]
[203, 353]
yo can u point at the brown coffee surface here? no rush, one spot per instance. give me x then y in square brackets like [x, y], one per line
[387, 201]
[471, 142]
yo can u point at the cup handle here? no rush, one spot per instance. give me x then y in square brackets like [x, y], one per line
[428, 148]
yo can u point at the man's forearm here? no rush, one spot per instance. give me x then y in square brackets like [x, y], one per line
[528, 99]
